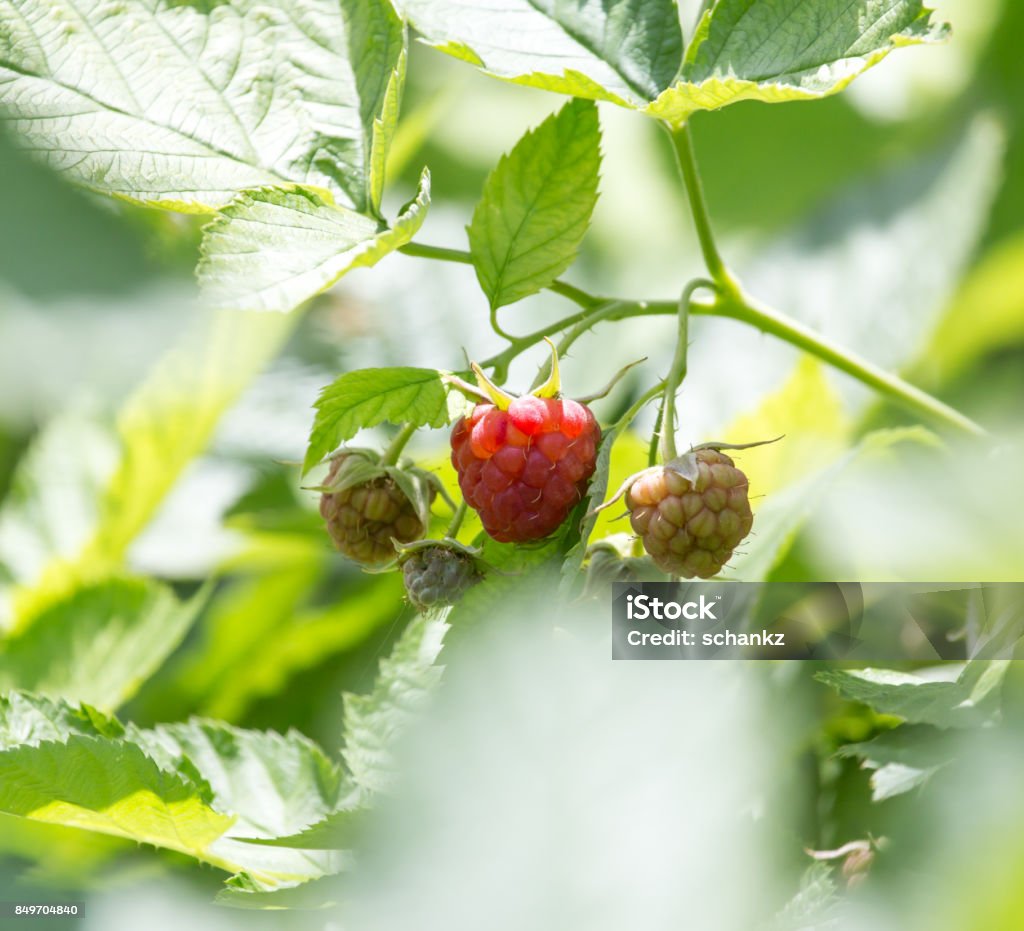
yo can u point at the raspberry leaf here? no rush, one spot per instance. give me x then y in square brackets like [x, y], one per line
[625, 52]
[120, 474]
[536, 206]
[273, 785]
[630, 52]
[100, 643]
[367, 397]
[302, 91]
[971, 698]
[275, 248]
[780, 50]
[902, 759]
[373, 722]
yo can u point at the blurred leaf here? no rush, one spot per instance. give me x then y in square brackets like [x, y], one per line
[970, 699]
[273, 116]
[243, 892]
[367, 397]
[902, 759]
[536, 205]
[774, 50]
[783, 515]
[99, 254]
[273, 785]
[811, 906]
[275, 248]
[987, 314]
[98, 645]
[262, 663]
[807, 413]
[119, 482]
[624, 52]
[844, 272]
[373, 722]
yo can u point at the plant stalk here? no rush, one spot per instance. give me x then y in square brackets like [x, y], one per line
[735, 305]
[394, 450]
[682, 145]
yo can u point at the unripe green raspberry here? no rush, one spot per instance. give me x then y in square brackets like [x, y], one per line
[691, 527]
[437, 575]
[363, 519]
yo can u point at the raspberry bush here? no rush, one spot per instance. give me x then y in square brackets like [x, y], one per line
[276, 129]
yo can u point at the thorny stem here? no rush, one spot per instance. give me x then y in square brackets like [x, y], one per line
[734, 304]
[678, 371]
[394, 450]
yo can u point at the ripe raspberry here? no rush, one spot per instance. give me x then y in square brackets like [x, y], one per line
[363, 518]
[437, 575]
[524, 469]
[691, 528]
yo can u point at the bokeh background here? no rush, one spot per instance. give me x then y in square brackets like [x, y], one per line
[556, 791]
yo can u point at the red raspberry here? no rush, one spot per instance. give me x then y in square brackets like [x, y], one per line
[523, 470]
[691, 528]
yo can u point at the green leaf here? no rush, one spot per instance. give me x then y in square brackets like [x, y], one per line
[242, 891]
[781, 518]
[33, 719]
[275, 248]
[336, 832]
[780, 50]
[367, 397]
[54, 535]
[99, 644]
[537, 205]
[262, 95]
[625, 52]
[109, 786]
[261, 637]
[202, 788]
[373, 722]
[968, 700]
[272, 785]
[902, 759]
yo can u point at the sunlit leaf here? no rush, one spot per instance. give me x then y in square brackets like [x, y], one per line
[262, 95]
[274, 248]
[968, 699]
[780, 50]
[98, 645]
[367, 397]
[536, 206]
[626, 51]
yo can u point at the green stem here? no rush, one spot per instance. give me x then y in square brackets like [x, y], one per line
[677, 373]
[682, 144]
[456, 521]
[767, 320]
[737, 306]
[394, 450]
[444, 254]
